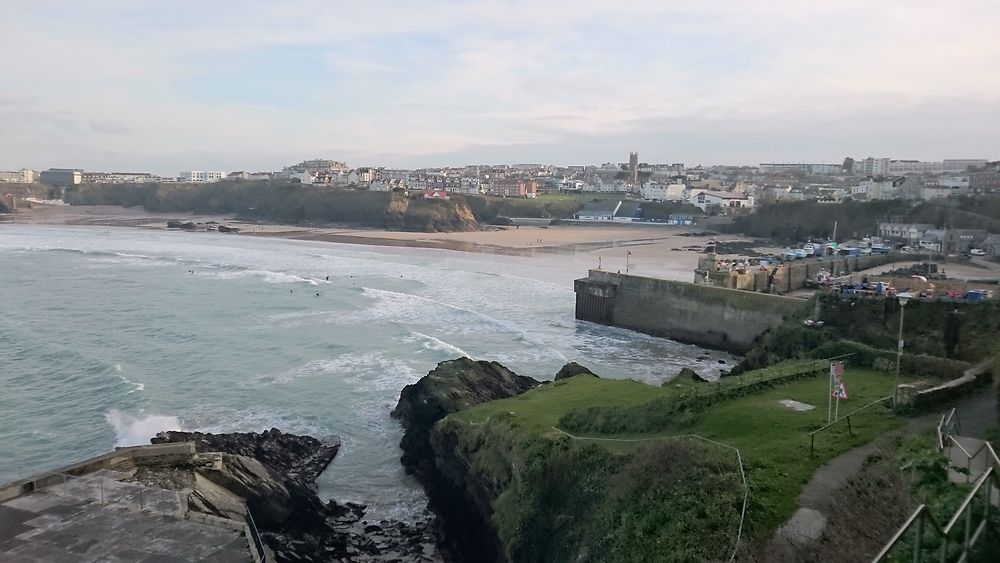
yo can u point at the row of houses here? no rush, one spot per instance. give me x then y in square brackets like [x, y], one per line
[949, 241]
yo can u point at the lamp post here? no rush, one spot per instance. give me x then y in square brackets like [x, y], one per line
[627, 254]
[903, 298]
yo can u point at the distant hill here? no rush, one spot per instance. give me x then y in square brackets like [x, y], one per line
[285, 202]
[798, 220]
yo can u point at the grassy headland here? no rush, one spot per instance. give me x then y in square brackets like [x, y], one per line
[630, 496]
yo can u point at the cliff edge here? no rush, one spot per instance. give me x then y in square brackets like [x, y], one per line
[462, 502]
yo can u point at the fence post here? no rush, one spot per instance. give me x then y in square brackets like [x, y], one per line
[968, 526]
[812, 444]
[918, 540]
[850, 430]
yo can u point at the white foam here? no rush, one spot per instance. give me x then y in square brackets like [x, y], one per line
[133, 430]
[268, 275]
[438, 345]
[135, 386]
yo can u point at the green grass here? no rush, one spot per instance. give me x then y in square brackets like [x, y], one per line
[773, 439]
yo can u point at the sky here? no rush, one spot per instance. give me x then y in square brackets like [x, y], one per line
[166, 86]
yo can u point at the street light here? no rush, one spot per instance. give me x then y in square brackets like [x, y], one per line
[903, 298]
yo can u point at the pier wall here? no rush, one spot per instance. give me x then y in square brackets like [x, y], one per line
[787, 277]
[708, 316]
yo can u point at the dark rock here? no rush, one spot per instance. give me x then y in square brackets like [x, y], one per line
[225, 229]
[688, 373]
[189, 226]
[463, 504]
[301, 457]
[273, 475]
[173, 224]
[573, 369]
[722, 361]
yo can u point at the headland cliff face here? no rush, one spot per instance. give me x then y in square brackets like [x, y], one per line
[286, 202]
[462, 498]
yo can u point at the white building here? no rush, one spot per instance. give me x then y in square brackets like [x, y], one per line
[200, 176]
[303, 177]
[885, 188]
[963, 164]
[22, 176]
[872, 167]
[902, 167]
[724, 200]
[663, 192]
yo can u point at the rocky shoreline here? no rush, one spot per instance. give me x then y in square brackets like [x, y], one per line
[272, 474]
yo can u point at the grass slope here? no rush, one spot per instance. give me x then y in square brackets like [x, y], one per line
[515, 443]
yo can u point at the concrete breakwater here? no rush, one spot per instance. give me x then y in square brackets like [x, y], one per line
[713, 317]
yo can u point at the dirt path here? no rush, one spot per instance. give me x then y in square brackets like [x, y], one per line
[977, 413]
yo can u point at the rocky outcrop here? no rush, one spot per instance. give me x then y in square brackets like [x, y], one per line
[303, 458]
[573, 369]
[463, 505]
[272, 474]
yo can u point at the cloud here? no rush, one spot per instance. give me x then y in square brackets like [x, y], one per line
[249, 84]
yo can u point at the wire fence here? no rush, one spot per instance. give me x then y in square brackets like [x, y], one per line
[843, 419]
[739, 461]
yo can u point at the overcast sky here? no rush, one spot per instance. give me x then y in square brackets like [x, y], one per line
[165, 86]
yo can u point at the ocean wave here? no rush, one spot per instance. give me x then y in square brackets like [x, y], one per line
[416, 309]
[135, 430]
[438, 345]
[117, 371]
[370, 370]
[269, 276]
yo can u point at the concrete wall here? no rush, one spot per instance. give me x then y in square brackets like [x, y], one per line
[793, 275]
[713, 317]
[119, 459]
[787, 277]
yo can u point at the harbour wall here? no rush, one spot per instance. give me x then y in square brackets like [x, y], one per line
[712, 317]
[786, 277]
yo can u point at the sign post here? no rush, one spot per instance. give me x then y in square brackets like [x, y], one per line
[838, 389]
[836, 373]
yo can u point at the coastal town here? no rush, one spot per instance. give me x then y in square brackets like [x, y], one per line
[615, 192]
[500, 281]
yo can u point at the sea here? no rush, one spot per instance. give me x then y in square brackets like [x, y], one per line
[109, 335]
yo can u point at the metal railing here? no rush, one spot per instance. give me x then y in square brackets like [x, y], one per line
[948, 425]
[847, 417]
[255, 540]
[737, 383]
[970, 533]
[947, 429]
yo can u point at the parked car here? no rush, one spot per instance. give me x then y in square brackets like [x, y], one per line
[977, 252]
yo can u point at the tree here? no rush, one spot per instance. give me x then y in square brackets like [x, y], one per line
[848, 165]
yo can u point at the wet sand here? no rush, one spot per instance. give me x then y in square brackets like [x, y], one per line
[653, 250]
[662, 251]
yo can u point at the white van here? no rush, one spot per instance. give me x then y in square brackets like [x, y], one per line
[977, 252]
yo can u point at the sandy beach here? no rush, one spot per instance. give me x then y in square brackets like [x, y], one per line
[662, 251]
[655, 250]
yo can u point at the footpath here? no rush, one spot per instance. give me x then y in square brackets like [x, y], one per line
[806, 526]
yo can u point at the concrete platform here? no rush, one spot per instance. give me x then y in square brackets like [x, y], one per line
[96, 518]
